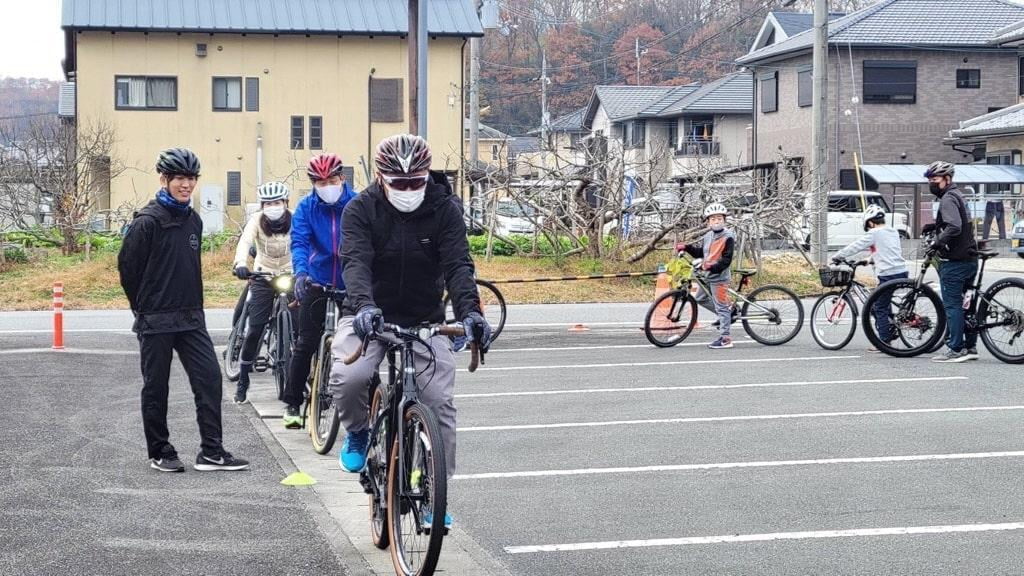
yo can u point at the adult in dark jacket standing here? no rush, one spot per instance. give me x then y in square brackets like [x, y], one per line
[161, 274]
[404, 241]
[957, 249]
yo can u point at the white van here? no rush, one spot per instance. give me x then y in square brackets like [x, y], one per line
[845, 208]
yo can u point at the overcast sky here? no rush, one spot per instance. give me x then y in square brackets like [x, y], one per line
[31, 41]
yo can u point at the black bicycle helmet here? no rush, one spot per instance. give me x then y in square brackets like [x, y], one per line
[402, 154]
[178, 162]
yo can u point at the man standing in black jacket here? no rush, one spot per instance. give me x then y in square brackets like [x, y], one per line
[403, 242]
[957, 249]
[161, 274]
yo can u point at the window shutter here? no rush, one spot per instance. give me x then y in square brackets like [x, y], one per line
[252, 94]
[386, 100]
[234, 188]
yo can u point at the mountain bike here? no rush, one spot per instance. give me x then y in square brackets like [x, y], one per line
[492, 307]
[275, 348]
[771, 314]
[320, 413]
[405, 473]
[918, 317]
[834, 315]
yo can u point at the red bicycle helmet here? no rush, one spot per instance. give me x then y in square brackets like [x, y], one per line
[402, 154]
[323, 167]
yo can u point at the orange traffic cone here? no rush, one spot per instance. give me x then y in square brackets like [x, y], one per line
[660, 319]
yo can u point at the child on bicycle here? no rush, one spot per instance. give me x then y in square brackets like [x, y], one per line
[269, 232]
[716, 251]
[884, 244]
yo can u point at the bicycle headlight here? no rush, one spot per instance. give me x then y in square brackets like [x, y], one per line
[283, 283]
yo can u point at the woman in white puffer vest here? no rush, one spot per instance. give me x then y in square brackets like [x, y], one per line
[269, 232]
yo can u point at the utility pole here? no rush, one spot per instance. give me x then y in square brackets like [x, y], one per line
[474, 99]
[819, 144]
[543, 99]
[417, 35]
[636, 51]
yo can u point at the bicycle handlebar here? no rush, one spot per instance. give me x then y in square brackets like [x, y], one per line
[405, 334]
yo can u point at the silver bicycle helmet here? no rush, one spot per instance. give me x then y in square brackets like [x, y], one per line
[270, 191]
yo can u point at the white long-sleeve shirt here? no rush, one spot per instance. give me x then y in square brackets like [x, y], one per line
[884, 244]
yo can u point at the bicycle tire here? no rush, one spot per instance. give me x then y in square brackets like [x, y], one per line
[670, 318]
[435, 494]
[492, 304]
[992, 304]
[908, 324]
[322, 416]
[376, 466]
[824, 310]
[778, 316]
[233, 350]
[283, 350]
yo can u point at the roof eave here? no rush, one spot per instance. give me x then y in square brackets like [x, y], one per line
[989, 133]
[399, 33]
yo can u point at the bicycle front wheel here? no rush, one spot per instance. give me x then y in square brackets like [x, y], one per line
[492, 307]
[1003, 305]
[418, 498]
[916, 318]
[834, 320]
[772, 315]
[377, 466]
[233, 351]
[282, 349]
[670, 319]
[323, 416]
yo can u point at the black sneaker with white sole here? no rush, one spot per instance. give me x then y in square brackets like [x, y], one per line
[167, 464]
[224, 461]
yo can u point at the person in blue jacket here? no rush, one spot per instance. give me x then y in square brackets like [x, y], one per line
[316, 262]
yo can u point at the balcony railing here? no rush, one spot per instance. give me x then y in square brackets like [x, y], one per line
[699, 147]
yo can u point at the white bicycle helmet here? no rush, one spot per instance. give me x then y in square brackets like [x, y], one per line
[874, 213]
[715, 208]
[271, 191]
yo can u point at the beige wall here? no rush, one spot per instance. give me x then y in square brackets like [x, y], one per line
[485, 151]
[317, 76]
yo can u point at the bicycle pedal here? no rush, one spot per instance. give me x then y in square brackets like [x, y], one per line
[427, 530]
[260, 365]
[364, 480]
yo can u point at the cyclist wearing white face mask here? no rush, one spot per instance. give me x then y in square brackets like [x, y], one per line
[316, 260]
[268, 233]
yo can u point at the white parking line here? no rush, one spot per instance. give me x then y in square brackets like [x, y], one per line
[670, 363]
[71, 351]
[739, 418]
[610, 347]
[707, 387]
[90, 330]
[741, 538]
[732, 465]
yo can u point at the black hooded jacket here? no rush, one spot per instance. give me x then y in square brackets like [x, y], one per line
[401, 263]
[955, 228]
[161, 272]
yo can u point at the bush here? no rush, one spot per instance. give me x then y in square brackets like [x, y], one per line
[16, 255]
[522, 242]
[36, 238]
[215, 241]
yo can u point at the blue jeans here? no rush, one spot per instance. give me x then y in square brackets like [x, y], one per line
[881, 310]
[956, 277]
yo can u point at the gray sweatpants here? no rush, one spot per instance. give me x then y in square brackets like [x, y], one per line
[350, 385]
[719, 303]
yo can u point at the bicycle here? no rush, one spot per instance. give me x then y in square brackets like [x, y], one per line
[492, 307]
[673, 315]
[405, 473]
[834, 315]
[320, 410]
[278, 334]
[916, 332]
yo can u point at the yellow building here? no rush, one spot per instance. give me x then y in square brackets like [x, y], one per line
[258, 89]
[492, 147]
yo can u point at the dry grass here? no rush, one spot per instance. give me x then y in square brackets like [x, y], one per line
[95, 285]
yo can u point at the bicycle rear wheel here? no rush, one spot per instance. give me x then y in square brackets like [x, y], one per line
[323, 416]
[492, 306]
[1003, 303]
[421, 494]
[670, 319]
[916, 316]
[833, 320]
[376, 465]
[281, 345]
[772, 315]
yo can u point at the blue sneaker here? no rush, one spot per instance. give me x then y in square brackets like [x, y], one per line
[428, 520]
[459, 343]
[722, 343]
[352, 456]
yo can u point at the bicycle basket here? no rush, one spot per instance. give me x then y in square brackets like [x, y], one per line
[833, 277]
[679, 270]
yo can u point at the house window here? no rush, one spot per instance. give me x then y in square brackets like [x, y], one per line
[252, 94]
[234, 188]
[968, 78]
[575, 139]
[227, 94]
[386, 100]
[316, 132]
[795, 166]
[673, 134]
[804, 88]
[890, 81]
[1020, 76]
[769, 92]
[494, 152]
[634, 135]
[298, 127]
[848, 179]
[145, 93]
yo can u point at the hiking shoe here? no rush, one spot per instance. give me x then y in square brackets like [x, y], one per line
[352, 456]
[972, 353]
[225, 461]
[240, 393]
[721, 343]
[428, 521]
[951, 356]
[291, 418]
[167, 464]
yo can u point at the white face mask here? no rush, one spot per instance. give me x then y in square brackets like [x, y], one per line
[274, 212]
[329, 194]
[406, 200]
